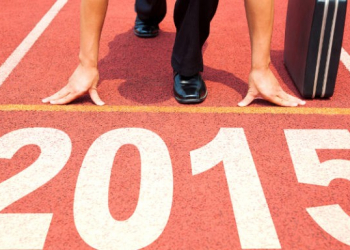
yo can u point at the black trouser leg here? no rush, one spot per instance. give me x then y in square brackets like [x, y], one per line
[152, 11]
[192, 20]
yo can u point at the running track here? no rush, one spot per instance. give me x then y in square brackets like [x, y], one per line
[146, 172]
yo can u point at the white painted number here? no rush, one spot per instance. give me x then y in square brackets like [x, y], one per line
[91, 212]
[254, 223]
[100, 230]
[302, 145]
[28, 231]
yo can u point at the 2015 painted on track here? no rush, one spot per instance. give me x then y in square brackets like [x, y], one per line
[100, 230]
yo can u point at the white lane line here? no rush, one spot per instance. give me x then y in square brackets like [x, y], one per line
[345, 58]
[13, 60]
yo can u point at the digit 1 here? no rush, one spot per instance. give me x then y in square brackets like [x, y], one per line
[254, 223]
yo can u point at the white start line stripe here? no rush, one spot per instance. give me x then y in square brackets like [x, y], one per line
[345, 58]
[17, 55]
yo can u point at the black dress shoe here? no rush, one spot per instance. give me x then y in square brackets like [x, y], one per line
[145, 30]
[189, 89]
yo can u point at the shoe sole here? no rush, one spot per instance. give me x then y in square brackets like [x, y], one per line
[191, 101]
[145, 35]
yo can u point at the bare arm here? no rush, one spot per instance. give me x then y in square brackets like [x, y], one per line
[86, 76]
[262, 82]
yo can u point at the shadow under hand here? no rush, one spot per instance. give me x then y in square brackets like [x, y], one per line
[142, 64]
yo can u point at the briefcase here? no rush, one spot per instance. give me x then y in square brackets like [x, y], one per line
[313, 42]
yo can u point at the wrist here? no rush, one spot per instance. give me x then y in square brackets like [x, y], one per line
[260, 66]
[261, 60]
[87, 61]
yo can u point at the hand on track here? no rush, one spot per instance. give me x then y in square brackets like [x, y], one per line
[264, 85]
[84, 80]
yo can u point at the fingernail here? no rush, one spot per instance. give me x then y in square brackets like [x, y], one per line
[52, 102]
[44, 100]
[303, 103]
[101, 104]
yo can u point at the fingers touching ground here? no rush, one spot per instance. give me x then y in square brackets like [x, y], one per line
[83, 80]
[60, 94]
[248, 99]
[263, 84]
[95, 97]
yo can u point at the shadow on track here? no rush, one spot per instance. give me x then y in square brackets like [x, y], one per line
[144, 67]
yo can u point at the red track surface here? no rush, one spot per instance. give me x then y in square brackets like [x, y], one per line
[137, 73]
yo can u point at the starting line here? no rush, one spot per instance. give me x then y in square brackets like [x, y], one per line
[173, 109]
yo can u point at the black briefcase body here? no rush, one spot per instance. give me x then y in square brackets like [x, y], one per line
[313, 42]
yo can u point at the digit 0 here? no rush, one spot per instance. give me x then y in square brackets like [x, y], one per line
[91, 212]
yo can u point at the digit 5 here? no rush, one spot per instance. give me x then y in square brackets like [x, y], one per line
[302, 145]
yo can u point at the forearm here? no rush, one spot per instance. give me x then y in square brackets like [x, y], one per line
[92, 16]
[260, 15]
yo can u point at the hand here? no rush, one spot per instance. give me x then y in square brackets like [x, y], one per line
[264, 85]
[83, 80]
